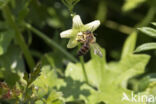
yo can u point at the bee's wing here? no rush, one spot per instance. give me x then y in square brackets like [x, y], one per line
[96, 49]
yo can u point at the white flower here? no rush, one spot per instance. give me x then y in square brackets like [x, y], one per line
[77, 28]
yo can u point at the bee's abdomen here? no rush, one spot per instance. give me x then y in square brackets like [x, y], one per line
[83, 50]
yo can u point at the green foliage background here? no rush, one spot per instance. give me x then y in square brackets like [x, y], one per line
[37, 68]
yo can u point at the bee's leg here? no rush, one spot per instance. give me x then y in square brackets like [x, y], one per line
[80, 53]
[86, 46]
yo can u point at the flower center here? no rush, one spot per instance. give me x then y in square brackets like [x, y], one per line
[80, 37]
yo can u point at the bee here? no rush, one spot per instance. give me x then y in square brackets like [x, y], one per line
[89, 41]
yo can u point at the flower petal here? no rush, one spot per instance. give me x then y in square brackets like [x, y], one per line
[72, 43]
[92, 26]
[77, 23]
[66, 34]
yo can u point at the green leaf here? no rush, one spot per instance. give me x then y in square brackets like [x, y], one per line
[154, 23]
[47, 78]
[152, 88]
[23, 13]
[131, 4]
[53, 58]
[146, 47]
[111, 79]
[151, 91]
[39, 102]
[3, 25]
[145, 81]
[5, 39]
[129, 45]
[54, 20]
[70, 3]
[45, 84]
[12, 66]
[75, 90]
[3, 3]
[148, 31]
[21, 9]
[54, 98]
[33, 75]
[102, 11]
[95, 71]
[37, 14]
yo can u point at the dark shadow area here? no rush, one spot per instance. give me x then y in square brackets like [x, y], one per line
[101, 102]
[76, 102]
[72, 88]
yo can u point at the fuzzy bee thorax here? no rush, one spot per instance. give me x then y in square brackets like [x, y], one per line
[83, 37]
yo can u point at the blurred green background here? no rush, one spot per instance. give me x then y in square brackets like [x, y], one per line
[118, 18]
[30, 35]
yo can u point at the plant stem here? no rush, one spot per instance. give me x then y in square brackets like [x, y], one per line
[51, 42]
[119, 27]
[148, 18]
[19, 37]
[83, 68]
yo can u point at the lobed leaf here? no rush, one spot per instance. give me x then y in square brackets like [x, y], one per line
[129, 45]
[110, 79]
[46, 85]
